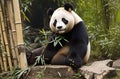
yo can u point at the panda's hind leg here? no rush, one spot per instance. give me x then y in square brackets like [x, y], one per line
[59, 58]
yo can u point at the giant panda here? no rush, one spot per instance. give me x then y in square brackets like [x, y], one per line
[76, 51]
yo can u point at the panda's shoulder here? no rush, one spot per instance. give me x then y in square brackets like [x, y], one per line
[79, 25]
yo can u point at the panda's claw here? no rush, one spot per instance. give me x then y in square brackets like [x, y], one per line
[75, 64]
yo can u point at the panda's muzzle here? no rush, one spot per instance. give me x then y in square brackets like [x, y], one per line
[60, 31]
[59, 27]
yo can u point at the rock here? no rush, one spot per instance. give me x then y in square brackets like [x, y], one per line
[116, 64]
[97, 70]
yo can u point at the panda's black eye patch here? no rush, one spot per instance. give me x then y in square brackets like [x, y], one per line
[65, 21]
[55, 22]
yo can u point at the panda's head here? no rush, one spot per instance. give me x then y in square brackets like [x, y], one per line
[63, 19]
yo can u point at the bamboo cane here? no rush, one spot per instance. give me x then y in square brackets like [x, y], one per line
[6, 39]
[3, 49]
[4, 59]
[13, 34]
[14, 56]
[1, 63]
[2, 43]
[20, 42]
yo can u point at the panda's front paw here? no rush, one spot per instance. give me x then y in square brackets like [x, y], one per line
[74, 63]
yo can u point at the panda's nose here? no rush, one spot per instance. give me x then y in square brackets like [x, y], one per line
[59, 27]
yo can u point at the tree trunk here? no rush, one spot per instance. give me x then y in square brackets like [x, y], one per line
[106, 14]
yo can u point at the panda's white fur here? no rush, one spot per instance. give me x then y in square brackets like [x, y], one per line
[87, 54]
[71, 16]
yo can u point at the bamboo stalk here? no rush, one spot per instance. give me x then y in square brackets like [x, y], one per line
[4, 60]
[13, 34]
[6, 39]
[20, 42]
[2, 43]
[1, 63]
[14, 56]
[3, 49]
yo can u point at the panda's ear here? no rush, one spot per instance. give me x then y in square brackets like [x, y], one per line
[68, 7]
[50, 12]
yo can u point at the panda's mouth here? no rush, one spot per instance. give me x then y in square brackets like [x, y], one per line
[61, 31]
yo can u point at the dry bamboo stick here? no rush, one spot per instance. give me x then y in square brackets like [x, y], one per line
[2, 43]
[6, 40]
[4, 59]
[18, 24]
[13, 34]
[1, 63]
[3, 50]
[13, 51]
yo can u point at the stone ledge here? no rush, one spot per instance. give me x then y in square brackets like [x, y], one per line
[51, 72]
[97, 70]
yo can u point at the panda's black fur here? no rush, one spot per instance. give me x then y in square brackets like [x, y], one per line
[76, 46]
[78, 41]
[68, 6]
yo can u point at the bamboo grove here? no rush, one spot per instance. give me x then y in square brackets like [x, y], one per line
[12, 52]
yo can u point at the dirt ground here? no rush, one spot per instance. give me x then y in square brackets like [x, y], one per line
[50, 72]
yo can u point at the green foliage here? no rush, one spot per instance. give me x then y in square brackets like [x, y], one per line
[57, 40]
[40, 75]
[18, 74]
[25, 7]
[107, 45]
[77, 75]
[110, 44]
[40, 59]
[45, 34]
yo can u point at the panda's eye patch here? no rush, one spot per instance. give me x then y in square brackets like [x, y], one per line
[55, 22]
[65, 21]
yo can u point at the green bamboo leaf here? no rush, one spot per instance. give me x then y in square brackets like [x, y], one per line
[24, 15]
[22, 72]
[60, 44]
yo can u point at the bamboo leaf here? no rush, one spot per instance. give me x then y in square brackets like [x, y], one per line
[24, 15]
